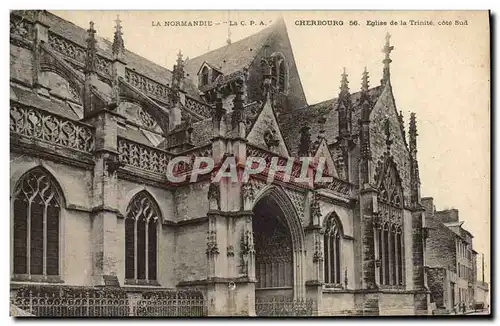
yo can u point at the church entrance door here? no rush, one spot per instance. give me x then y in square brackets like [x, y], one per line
[273, 252]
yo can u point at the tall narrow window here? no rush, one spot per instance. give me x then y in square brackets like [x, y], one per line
[390, 237]
[282, 76]
[141, 230]
[37, 208]
[274, 74]
[332, 249]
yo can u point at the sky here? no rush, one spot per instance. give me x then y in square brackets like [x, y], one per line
[439, 71]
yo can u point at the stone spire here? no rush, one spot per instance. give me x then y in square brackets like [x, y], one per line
[178, 71]
[177, 77]
[414, 173]
[118, 47]
[91, 51]
[344, 107]
[387, 60]
[413, 134]
[365, 84]
[402, 125]
[344, 85]
[364, 122]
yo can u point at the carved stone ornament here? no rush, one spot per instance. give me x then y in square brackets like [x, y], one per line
[270, 139]
[214, 196]
[212, 248]
[230, 251]
[248, 195]
[315, 209]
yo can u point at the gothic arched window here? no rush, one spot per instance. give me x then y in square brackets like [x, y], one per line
[204, 76]
[37, 209]
[388, 230]
[141, 229]
[332, 249]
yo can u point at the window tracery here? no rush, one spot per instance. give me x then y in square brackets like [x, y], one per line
[37, 208]
[388, 227]
[332, 248]
[141, 238]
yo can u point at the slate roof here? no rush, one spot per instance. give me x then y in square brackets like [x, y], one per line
[28, 97]
[202, 132]
[230, 58]
[291, 122]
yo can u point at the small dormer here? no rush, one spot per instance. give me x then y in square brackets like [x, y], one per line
[207, 75]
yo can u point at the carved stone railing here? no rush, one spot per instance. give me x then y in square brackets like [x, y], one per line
[202, 151]
[142, 156]
[197, 107]
[338, 186]
[45, 126]
[254, 151]
[148, 86]
[77, 52]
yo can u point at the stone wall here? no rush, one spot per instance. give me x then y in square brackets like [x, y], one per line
[336, 303]
[396, 304]
[190, 256]
[191, 201]
[436, 279]
[385, 108]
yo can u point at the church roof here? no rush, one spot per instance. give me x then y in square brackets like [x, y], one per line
[291, 122]
[29, 98]
[134, 61]
[232, 57]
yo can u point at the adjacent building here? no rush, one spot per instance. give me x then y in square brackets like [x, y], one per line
[450, 259]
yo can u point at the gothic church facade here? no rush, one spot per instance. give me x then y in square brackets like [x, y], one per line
[93, 127]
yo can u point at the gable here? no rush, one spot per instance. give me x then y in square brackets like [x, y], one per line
[323, 151]
[266, 133]
[385, 109]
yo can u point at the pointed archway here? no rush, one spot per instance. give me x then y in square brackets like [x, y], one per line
[279, 246]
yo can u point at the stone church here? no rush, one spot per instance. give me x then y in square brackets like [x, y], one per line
[93, 127]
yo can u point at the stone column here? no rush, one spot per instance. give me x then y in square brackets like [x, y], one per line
[366, 300]
[421, 292]
[105, 240]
